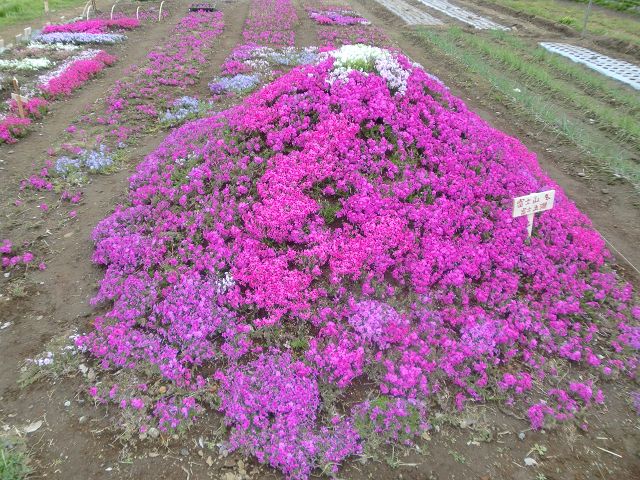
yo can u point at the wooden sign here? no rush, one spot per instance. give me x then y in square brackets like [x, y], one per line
[1, 44]
[15, 97]
[18, 98]
[27, 34]
[531, 204]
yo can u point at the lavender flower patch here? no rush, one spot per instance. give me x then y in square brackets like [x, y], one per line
[240, 83]
[288, 56]
[182, 109]
[66, 165]
[95, 161]
[80, 38]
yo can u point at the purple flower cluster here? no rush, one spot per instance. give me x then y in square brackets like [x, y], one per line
[10, 258]
[272, 406]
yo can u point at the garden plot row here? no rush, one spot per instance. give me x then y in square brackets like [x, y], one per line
[620, 70]
[52, 66]
[410, 14]
[463, 15]
[415, 16]
[149, 96]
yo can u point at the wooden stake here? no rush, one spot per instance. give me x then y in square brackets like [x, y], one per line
[1, 44]
[587, 12]
[46, 7]
[160, 14]
[16, 87]
[138, 13]
[114, 6]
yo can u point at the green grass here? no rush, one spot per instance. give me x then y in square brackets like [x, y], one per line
[13, 462]
[528, 66]
[590, 81]
[600, 151]
[608, 24]
[632, 6]
[18, 11]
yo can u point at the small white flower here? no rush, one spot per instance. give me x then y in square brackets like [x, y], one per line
[368, 59]
[25, 65]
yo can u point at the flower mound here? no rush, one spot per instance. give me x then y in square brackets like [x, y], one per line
[334, 234]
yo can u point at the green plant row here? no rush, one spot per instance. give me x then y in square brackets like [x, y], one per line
[600, 151]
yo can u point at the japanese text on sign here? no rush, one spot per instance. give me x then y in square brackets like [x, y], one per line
[533, 203]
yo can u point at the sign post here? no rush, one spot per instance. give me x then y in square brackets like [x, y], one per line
[531, 204]
[17, 97]
[587, 12]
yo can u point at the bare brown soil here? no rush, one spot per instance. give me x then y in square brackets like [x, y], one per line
[74, 441]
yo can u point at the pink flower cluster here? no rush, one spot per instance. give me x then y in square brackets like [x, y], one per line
[76, 74]
[35, 108]
[329, 234]
[96, 25]
[12, 128]
[339, 26]
[9, 258]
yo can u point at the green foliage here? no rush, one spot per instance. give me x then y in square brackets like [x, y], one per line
[329, 211]
[566, 20]
[13, 461]
[16, 11]
[601, 22]
[360, 64]
[619, 5]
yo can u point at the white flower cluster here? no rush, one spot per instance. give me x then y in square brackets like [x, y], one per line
[368, 59]
[53, 46]
[224, 283]
[44, 360]
[25, 65]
